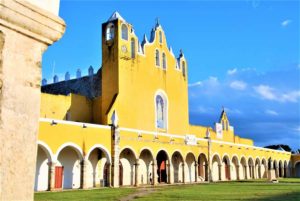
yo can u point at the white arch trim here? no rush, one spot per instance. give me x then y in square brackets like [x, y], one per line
[218, 155]
[177, 150]
[168, 154]
[148, 149]
[101, 147]
[296, 163]
[190, 152]
[237, 158]
[70, 144]
[131, 149]
[246, 161]
[227, 156]
[47, 149]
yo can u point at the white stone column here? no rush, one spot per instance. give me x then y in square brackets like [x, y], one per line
[237, 172]
[84, 170]
[171, 174]
[115, 157]
[183, 173]
[137, 182]
[220, 172]
[196, 171]
[26, 30]
[51, 176]
[154, 173]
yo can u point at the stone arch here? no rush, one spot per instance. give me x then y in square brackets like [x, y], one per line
[69, 157]
[257, 168]
[243, 169]
[216, 167]
[264, 168]
[251, 167]
[163, 166]
[297, 169]
[127, 167]
[178, 167]
[146, 167]
[234, 173]
[285, 169]
[43, 162]
[191, 165]
[98, 163]
[280, 169]
[203, 167]
[275, 167]
[225, 169]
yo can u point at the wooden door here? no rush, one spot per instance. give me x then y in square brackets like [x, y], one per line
[59, 172]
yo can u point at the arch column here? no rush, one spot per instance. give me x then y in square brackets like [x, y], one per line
[220, 172]
[137, 163]
[154, 175]
[84, 173]
[183, 172]
[52, 175]
[196, 171]
[237, 172]
[246, 172]
[169, 172]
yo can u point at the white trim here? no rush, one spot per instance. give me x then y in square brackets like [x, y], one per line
[73, 123]
[46, 148]
[238, 160]
[190, 152]
[296, 162]
[148, 149]
[177, 150]
[163, 94]
[76, 147]
[131, 149]
[250, 157]
[162, 59]
[224, 155]
[122, 32]
[216, 154]
[168, 155]
[102, 148]
[246, 161]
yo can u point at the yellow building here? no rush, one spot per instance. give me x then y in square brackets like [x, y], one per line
[128, 124]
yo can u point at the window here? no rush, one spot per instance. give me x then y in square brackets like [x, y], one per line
[183, 69]
[110, 31]
[132, 48]
[161, 110]
[124, 32]
[164, 63]
[157, 57]
[160, 37]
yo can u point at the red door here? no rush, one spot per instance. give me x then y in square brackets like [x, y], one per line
[59, 171]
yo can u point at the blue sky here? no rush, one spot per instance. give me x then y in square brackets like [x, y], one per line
[243, 55]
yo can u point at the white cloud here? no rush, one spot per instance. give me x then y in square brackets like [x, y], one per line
[285, 23]
[238, 85]
[199, 83]
[232, 111]
[203, 109]
[268, 93]
[212, 81]
[231, 71]
[271, 112]
[265, 92]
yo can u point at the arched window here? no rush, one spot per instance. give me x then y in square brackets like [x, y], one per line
[160, 37]
[110, 31]
[183, 69]
[157, 57]
[164, 63]
[124, 29]
[132, 48]
[161, 111]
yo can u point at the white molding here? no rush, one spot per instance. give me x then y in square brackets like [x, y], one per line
[76, 148]
[148, 149]
[131, 149]
[73, 123]
[168, 155]
[166, 102]
[46, 148]
[296, 162]
[102, 148]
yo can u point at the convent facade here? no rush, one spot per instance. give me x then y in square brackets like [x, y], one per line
[128, 124]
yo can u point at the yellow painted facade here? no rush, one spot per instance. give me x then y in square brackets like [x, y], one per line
[142, 112]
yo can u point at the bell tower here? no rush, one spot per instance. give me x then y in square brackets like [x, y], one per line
[110, 64]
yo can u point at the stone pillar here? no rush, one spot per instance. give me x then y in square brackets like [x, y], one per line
[26, 30]
[171, 174]
[183, 173]
[84, 170]
[209, 160]
[237, 172]
[246, 172]
[137, 182]
[220, 172]
[168, 170]
[51, 176]
[154, 175]
[196, 171]
[115, 156]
